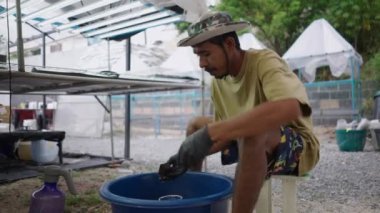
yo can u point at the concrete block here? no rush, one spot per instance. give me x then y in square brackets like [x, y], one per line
[329, 104]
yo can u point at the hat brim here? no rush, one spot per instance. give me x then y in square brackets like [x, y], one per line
[216, 31]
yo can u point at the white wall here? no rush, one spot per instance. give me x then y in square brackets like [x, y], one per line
[4, 100]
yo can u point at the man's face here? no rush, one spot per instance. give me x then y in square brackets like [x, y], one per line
[212, 59]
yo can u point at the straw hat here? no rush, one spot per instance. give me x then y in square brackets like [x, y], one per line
[210, 25]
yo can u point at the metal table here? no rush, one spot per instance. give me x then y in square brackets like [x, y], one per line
[56, 136]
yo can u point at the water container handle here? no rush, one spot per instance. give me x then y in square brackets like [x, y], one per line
[69, 182]
[52, 173]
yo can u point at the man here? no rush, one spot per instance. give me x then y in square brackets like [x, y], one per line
[261, 112]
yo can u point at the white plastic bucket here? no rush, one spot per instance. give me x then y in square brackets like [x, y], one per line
[4, 127]
[44, 151]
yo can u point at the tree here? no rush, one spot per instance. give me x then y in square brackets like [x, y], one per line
[279, 22]
[359, 22]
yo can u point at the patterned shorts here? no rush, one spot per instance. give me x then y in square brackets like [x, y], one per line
[283, 161]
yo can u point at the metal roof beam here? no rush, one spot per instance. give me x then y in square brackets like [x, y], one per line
[100, 15]
[78, 11]
[116, 19]
[56, 6]
[141, 27]
[12, 10]
[129, 23]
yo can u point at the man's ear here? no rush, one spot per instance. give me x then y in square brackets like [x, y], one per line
[230, 43]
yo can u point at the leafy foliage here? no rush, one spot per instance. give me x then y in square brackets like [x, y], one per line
[358, 21]
[279, 22]
[370, 73]
[182, 26]
[371, 70]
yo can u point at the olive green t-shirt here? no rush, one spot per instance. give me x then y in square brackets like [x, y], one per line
[263, 77]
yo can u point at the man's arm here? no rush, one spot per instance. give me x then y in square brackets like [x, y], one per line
[197, 123]
[262, 118]
[194, 125]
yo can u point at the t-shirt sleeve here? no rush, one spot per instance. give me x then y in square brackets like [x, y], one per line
[280, 83]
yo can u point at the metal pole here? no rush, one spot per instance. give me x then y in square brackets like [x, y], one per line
[127, 127]
[353, 93]
[109, 54]
[111, 128]
[203, 108]
[360, 91]
[145, 38]
[110, 103]
[127, 114]
[44, 51]
[44, 109]
[20, 45]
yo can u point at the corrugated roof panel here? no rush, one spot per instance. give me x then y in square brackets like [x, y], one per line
[63, 18]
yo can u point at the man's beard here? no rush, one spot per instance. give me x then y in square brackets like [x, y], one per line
[210, 71]
[222, 76]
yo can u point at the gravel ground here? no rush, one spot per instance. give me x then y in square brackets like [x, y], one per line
[341, 182]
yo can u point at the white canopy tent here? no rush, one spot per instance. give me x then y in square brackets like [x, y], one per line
[321, 45]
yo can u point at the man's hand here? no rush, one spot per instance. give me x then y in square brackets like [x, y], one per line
[192, 151]
[172, 168]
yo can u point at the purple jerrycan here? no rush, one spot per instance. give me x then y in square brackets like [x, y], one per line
[49, 198]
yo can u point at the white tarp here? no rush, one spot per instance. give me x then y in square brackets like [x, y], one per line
[193, 9]
[80, 116]
[321, 45]
[248, 40]
[4, 100]
[95, 57]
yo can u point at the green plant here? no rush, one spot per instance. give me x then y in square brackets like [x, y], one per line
[371, 69]
[87, 199]
[324, 74]
[279, 23]
[182, 26]
[367, 107]
[370, 72]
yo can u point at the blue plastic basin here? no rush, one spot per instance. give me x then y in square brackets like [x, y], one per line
[193, 192]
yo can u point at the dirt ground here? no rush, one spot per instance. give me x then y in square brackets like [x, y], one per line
[341, 182]
[15, 197]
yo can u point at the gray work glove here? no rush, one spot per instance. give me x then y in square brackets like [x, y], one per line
[192, 151]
